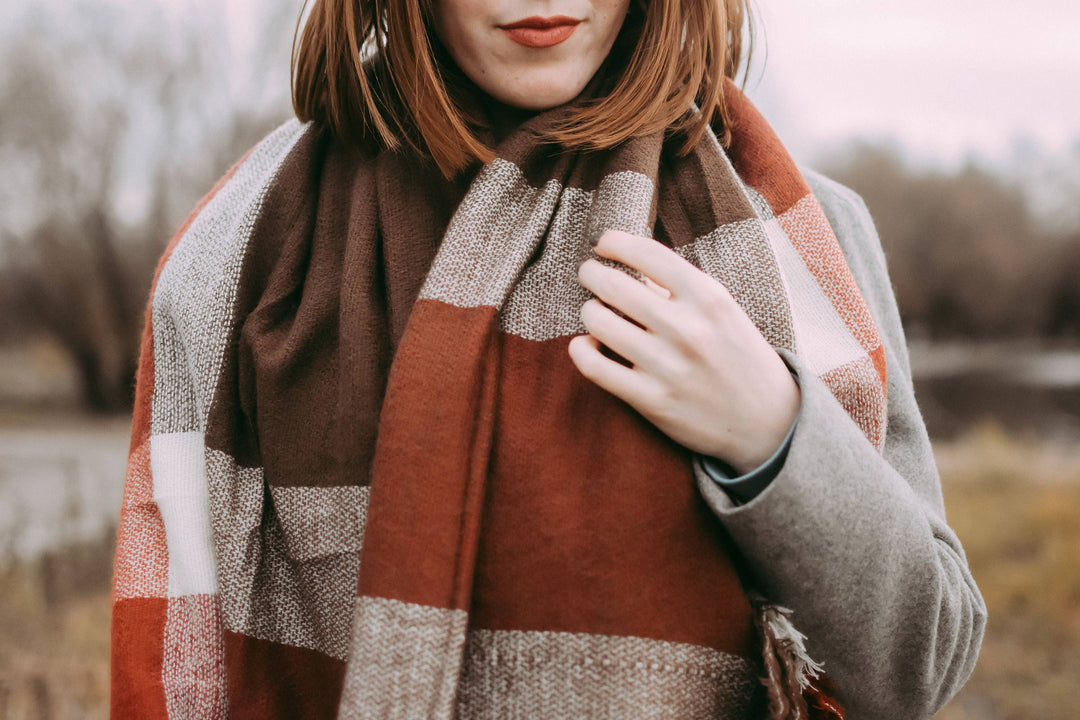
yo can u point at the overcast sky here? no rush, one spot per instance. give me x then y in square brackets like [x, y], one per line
[943, 76]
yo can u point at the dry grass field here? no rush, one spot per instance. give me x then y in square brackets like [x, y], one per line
[1015, 503]
[54, 639]
[1016, 507]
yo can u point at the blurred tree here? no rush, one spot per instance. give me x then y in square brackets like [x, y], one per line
[122, 119]
[1063, 319]
[965, 254]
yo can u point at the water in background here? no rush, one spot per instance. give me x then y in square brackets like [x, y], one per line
[1026, 388]
[60, 482]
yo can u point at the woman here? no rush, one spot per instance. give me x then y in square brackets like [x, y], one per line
[528, 377]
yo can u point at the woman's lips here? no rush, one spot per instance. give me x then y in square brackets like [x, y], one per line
[539, 32]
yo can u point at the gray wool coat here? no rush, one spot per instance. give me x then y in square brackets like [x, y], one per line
[854, 541]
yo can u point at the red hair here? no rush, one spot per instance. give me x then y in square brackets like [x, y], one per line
[372, 68]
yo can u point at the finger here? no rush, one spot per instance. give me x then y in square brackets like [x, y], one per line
[622, 336]
[659, 290]
[653, 259]
[624, 383]
[623, 292]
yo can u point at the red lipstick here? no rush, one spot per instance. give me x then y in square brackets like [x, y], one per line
[540, 32]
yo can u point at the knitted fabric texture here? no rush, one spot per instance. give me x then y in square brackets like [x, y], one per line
[365, 479]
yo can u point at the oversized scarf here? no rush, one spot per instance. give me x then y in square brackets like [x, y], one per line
[366, 480]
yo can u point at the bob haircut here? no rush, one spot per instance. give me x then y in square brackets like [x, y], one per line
[375, 68]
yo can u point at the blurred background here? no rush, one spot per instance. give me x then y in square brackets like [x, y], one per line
[959, 123]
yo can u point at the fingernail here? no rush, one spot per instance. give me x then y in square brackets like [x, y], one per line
[595, 237]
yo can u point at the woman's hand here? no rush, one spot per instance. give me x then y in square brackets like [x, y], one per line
[702, 373]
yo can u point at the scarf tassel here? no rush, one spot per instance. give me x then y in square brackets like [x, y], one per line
[795, 684]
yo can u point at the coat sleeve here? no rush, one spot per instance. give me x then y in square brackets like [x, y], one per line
[855, 541]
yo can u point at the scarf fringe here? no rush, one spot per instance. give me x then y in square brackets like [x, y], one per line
[789, 669]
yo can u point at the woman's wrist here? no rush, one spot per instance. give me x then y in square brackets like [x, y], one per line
[744, 488]
[754, 451]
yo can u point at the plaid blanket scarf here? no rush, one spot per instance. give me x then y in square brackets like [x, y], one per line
[365, 479]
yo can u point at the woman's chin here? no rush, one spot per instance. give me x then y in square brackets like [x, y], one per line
[537, 95]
